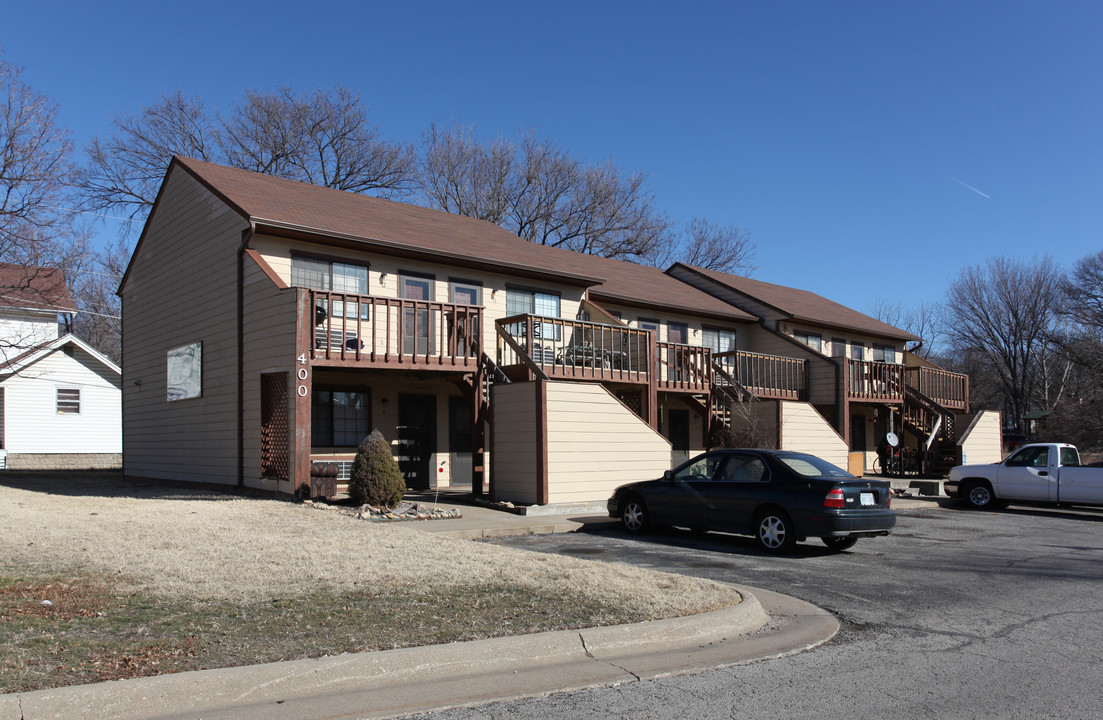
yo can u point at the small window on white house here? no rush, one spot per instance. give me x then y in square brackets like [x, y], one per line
[68, 401]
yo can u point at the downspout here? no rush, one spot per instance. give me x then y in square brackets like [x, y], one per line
[246, 236]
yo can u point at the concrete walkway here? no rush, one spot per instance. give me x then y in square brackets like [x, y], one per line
[397, 682]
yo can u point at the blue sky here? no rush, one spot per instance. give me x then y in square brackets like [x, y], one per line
[871, 149]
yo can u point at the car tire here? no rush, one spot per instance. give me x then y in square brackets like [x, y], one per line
[840, 543]
[635, 516]
[775, 532]
[978, 495]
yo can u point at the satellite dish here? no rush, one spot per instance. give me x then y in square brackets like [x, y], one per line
[892, 440]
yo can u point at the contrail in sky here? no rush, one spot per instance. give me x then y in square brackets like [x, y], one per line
[967, 185]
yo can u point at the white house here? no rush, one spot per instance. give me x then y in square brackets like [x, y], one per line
[60, 399]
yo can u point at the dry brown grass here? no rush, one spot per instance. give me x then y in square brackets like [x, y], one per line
[144, 579]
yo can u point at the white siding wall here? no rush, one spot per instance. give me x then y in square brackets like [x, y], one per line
[182, 289]
[25, 330]
[982, 441]
[804, 430]
[595, 443]
[515, 442]
[31, 422]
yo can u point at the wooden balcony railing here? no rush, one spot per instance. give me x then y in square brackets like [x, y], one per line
[683, 367]
[948, 389]
[364, 329]
[574, 348]
[767, 376]
[874, 380]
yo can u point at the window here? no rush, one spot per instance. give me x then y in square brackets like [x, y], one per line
[68, 401]
[531, 302]
[884, 353]
[811, 340]
[838, 347]
[719, 341]
[650, 326]
[417, 322]
[332, 276]
[465, 293]
[745, 468]
[702, 468]
[857, 351]
[1070, 457]
[339, 418]
[677, 333]
[1037, 457]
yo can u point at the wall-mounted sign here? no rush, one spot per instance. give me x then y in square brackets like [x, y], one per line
[185, 372]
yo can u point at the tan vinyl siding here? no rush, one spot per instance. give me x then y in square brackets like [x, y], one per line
[821, 371]
[982, 441]
[181, 289]
[515, 442]
[269, 342]
[595, 443]
[804, 430]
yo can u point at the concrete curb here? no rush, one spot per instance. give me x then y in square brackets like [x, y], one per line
[397, 682]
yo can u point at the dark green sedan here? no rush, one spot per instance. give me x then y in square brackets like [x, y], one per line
[779, 497]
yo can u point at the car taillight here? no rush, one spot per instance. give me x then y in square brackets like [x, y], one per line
[888, 501]
[834, 499]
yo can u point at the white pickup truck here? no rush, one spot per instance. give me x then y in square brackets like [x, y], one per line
[1040, 472]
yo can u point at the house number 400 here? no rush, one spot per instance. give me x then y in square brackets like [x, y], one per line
[303, 375]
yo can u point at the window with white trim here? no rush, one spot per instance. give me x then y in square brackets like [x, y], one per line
[332, 276]
[884, 353]
[68, 401]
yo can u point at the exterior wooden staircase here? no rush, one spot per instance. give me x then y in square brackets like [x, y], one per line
[926, 419]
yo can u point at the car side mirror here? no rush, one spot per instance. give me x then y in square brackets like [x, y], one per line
[668, 475]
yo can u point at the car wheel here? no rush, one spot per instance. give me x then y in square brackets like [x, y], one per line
[774, 531]
[840, 543]
[978, 495]
[634, 515]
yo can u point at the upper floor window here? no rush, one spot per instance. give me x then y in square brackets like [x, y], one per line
[68, 401]
[677, 333]
[466, 293]
[650, 326]
[884, 353]
[719, 341]
[857, 351]
[810, 339]
[838, 347]
[531, 302]
[319, 274]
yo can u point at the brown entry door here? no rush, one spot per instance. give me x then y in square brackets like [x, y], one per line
[417, 422]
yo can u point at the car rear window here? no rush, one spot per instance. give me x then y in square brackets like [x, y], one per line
[812, 466]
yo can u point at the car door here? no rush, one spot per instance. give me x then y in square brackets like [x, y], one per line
[683, 500]
[1027, 475]
[737, 491]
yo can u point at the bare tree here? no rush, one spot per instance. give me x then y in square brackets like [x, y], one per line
[922, 320]
[324, 139]
[537, 190]
[1005, 313]
[124, 170]
[99, 311]
[724, 248]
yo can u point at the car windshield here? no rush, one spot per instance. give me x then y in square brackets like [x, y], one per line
[811, 466]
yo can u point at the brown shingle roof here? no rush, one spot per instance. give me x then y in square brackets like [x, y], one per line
[34, 288]
[802, 305]
[291, 205]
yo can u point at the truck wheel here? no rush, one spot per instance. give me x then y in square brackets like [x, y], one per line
[979, 495]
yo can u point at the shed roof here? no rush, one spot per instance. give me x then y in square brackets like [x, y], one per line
[34, 288]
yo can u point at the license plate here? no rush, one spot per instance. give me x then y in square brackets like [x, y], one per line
[868, 499]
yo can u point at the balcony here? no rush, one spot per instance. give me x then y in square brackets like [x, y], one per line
[768, 377]
[572, 349]
[364, 330]
[948, 389]
[874, 381]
